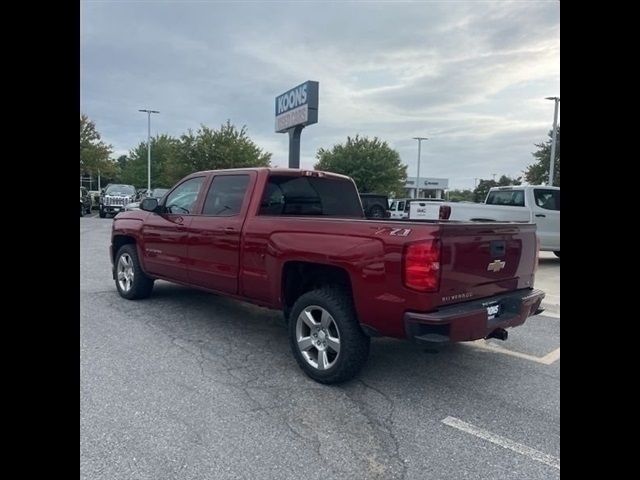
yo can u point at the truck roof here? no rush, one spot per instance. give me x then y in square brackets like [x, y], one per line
[279, 171]
[523, 187]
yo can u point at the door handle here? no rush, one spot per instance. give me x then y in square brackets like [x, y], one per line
[540, 215]
[229, 230]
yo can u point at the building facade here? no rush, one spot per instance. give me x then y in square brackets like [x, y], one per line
[428, 187]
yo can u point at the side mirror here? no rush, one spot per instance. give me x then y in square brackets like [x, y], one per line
[149, 204]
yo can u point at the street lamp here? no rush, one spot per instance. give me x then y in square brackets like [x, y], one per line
[418, 179]
[553, 138]
[149, 112]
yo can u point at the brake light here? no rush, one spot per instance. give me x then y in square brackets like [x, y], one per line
[445, 212]
[422, 266]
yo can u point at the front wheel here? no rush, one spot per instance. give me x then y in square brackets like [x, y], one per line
[102, 212]
[131, 281]
[557, 254]
[325, 336]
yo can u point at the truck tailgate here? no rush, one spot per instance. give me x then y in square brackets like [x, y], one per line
[484, 259]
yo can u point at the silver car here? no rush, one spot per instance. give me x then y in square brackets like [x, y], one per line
[155, 193]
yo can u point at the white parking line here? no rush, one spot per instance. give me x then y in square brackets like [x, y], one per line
[503, 442]
[548, 359]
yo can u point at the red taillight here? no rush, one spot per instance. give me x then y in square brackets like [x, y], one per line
[445, 212]
[422, 266]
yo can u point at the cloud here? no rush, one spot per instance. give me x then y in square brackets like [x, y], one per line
[472, 76]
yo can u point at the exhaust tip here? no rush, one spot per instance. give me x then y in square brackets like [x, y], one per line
[499, 333]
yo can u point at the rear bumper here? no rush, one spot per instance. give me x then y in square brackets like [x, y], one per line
[113, 208]
[470, 320]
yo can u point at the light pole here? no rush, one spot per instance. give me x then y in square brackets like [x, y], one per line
[418, 179]
[149, 112]
[553, 138]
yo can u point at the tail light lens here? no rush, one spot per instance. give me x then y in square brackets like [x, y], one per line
[445, 212]
[422, 266]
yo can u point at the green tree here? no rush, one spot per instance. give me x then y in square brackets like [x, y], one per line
[481, 191]
[207, 149]
[538, 172]
[94, 153]
[460, 195]
[164, 149]
[374, 166]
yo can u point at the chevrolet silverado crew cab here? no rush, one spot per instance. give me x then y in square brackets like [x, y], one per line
[298, 241]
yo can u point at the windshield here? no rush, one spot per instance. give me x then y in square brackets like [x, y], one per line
[120, 190]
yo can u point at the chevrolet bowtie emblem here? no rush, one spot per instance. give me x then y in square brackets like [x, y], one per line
[496, 266]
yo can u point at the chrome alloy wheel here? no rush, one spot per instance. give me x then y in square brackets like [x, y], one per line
[318, 337]
[125, 272]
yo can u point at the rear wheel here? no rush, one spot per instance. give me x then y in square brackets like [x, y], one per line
[557, 253]
[325, 337]
[131, 281]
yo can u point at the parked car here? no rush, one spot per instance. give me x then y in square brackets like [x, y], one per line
[85, 201]
[396, 209]
[298, 241]
[95, 198]
[155, 193]
[140, 194]
[375, 205]
[539, 204]
[116, 197]
[399, 208]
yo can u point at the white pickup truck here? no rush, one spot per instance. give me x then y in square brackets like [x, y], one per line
[539, 204]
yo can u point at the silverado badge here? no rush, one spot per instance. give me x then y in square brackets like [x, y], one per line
[496, 266]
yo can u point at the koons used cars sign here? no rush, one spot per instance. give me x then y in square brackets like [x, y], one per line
[298, 106]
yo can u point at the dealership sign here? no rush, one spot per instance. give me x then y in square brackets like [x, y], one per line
[298, 106]
[428, 183]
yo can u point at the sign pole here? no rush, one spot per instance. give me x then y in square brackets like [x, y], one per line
[294, 146]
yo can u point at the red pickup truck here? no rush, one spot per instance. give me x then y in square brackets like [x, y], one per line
[298, 241]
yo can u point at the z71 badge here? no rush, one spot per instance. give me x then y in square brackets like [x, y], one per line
[396, 232]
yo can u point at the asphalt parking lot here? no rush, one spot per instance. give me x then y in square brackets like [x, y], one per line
[190, 385]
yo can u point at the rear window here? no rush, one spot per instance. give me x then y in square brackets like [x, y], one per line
[511, 198]
[287, 195]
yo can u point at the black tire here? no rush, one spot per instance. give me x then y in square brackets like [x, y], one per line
[102, 213]
[557, 254]
[354, 344]
[81, 210]
[89, 210]
[376, 212]
[141, 285]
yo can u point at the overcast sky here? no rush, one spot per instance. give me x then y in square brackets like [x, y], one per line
[471, 76]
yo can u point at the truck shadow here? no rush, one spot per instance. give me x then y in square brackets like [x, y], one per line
[242, 332]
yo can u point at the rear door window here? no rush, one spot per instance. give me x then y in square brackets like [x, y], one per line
[226, 195]
[547, 198]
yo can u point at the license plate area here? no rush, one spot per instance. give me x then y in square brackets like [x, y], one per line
[494, 310]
